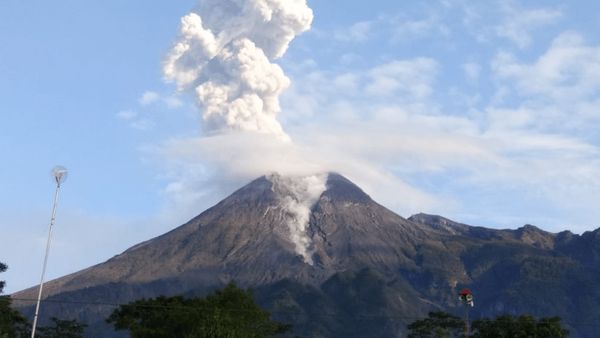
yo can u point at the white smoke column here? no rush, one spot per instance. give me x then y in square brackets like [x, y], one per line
[224, 55]
[298, 196]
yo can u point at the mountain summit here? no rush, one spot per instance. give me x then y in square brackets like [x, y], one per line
[325, 257]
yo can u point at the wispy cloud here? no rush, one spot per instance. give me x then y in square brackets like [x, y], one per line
[559, 90]
[407, 29]
[357, 32]
[127, 115]
[396, 27]
[414, 138]
[518, 23]
[411, 78]
[150, 97]
[494, 22]
[134, 120]
[149, 101]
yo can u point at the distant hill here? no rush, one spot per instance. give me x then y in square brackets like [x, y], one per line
[322, 255]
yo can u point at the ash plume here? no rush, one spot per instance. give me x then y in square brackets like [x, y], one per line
[224, 55]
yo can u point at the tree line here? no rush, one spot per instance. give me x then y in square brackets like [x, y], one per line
[444, 325]
[229, 312]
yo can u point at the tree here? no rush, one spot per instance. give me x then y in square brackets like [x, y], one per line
[519, 327]
[12, 323]
[230, 312]
[441, 324]
[3, 268]
[61, 329]
[436, 325]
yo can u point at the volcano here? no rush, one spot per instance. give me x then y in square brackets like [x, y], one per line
[320, 254]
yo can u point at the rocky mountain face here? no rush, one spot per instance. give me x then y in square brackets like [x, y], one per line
[323, 256]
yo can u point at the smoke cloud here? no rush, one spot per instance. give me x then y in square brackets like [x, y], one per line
[224, 54]
[297, 197]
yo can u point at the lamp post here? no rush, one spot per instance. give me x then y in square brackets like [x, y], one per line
[60, 175]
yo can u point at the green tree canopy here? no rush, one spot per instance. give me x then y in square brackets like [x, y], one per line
[437, 325]
[61, 329]
[3, 268]
[12, 323]
[230, 312]
[519, 327]
[444, 325]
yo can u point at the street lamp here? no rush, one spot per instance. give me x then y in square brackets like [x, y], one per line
[59, 174]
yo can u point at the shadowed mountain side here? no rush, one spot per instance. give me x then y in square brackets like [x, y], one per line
[530, 271]
[349, 304]
[351, 230]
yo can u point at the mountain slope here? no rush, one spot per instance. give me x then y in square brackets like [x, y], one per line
[322, 255]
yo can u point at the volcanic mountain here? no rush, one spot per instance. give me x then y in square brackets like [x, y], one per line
[322, 255]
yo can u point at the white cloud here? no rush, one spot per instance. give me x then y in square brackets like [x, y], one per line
[545, 126]
[149, 102]
[518, 23]
[491, 22]
[502, 147]
[357, 32]
[560, 89]
[403, 77]
[172, 102]
[240, 157]
[405, 29]
[347, 81]
[407, 80]
[568, 68]
[148, 98]
[134, 120]
[127, 115]
[396, 28]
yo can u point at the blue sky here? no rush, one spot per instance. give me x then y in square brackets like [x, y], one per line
[484, 112]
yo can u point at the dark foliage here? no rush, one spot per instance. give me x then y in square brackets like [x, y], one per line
[437, 325]
[519, 327]
[61, 329]
[230, 312]
[12, 323]
[3, 268]
[444, 325]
